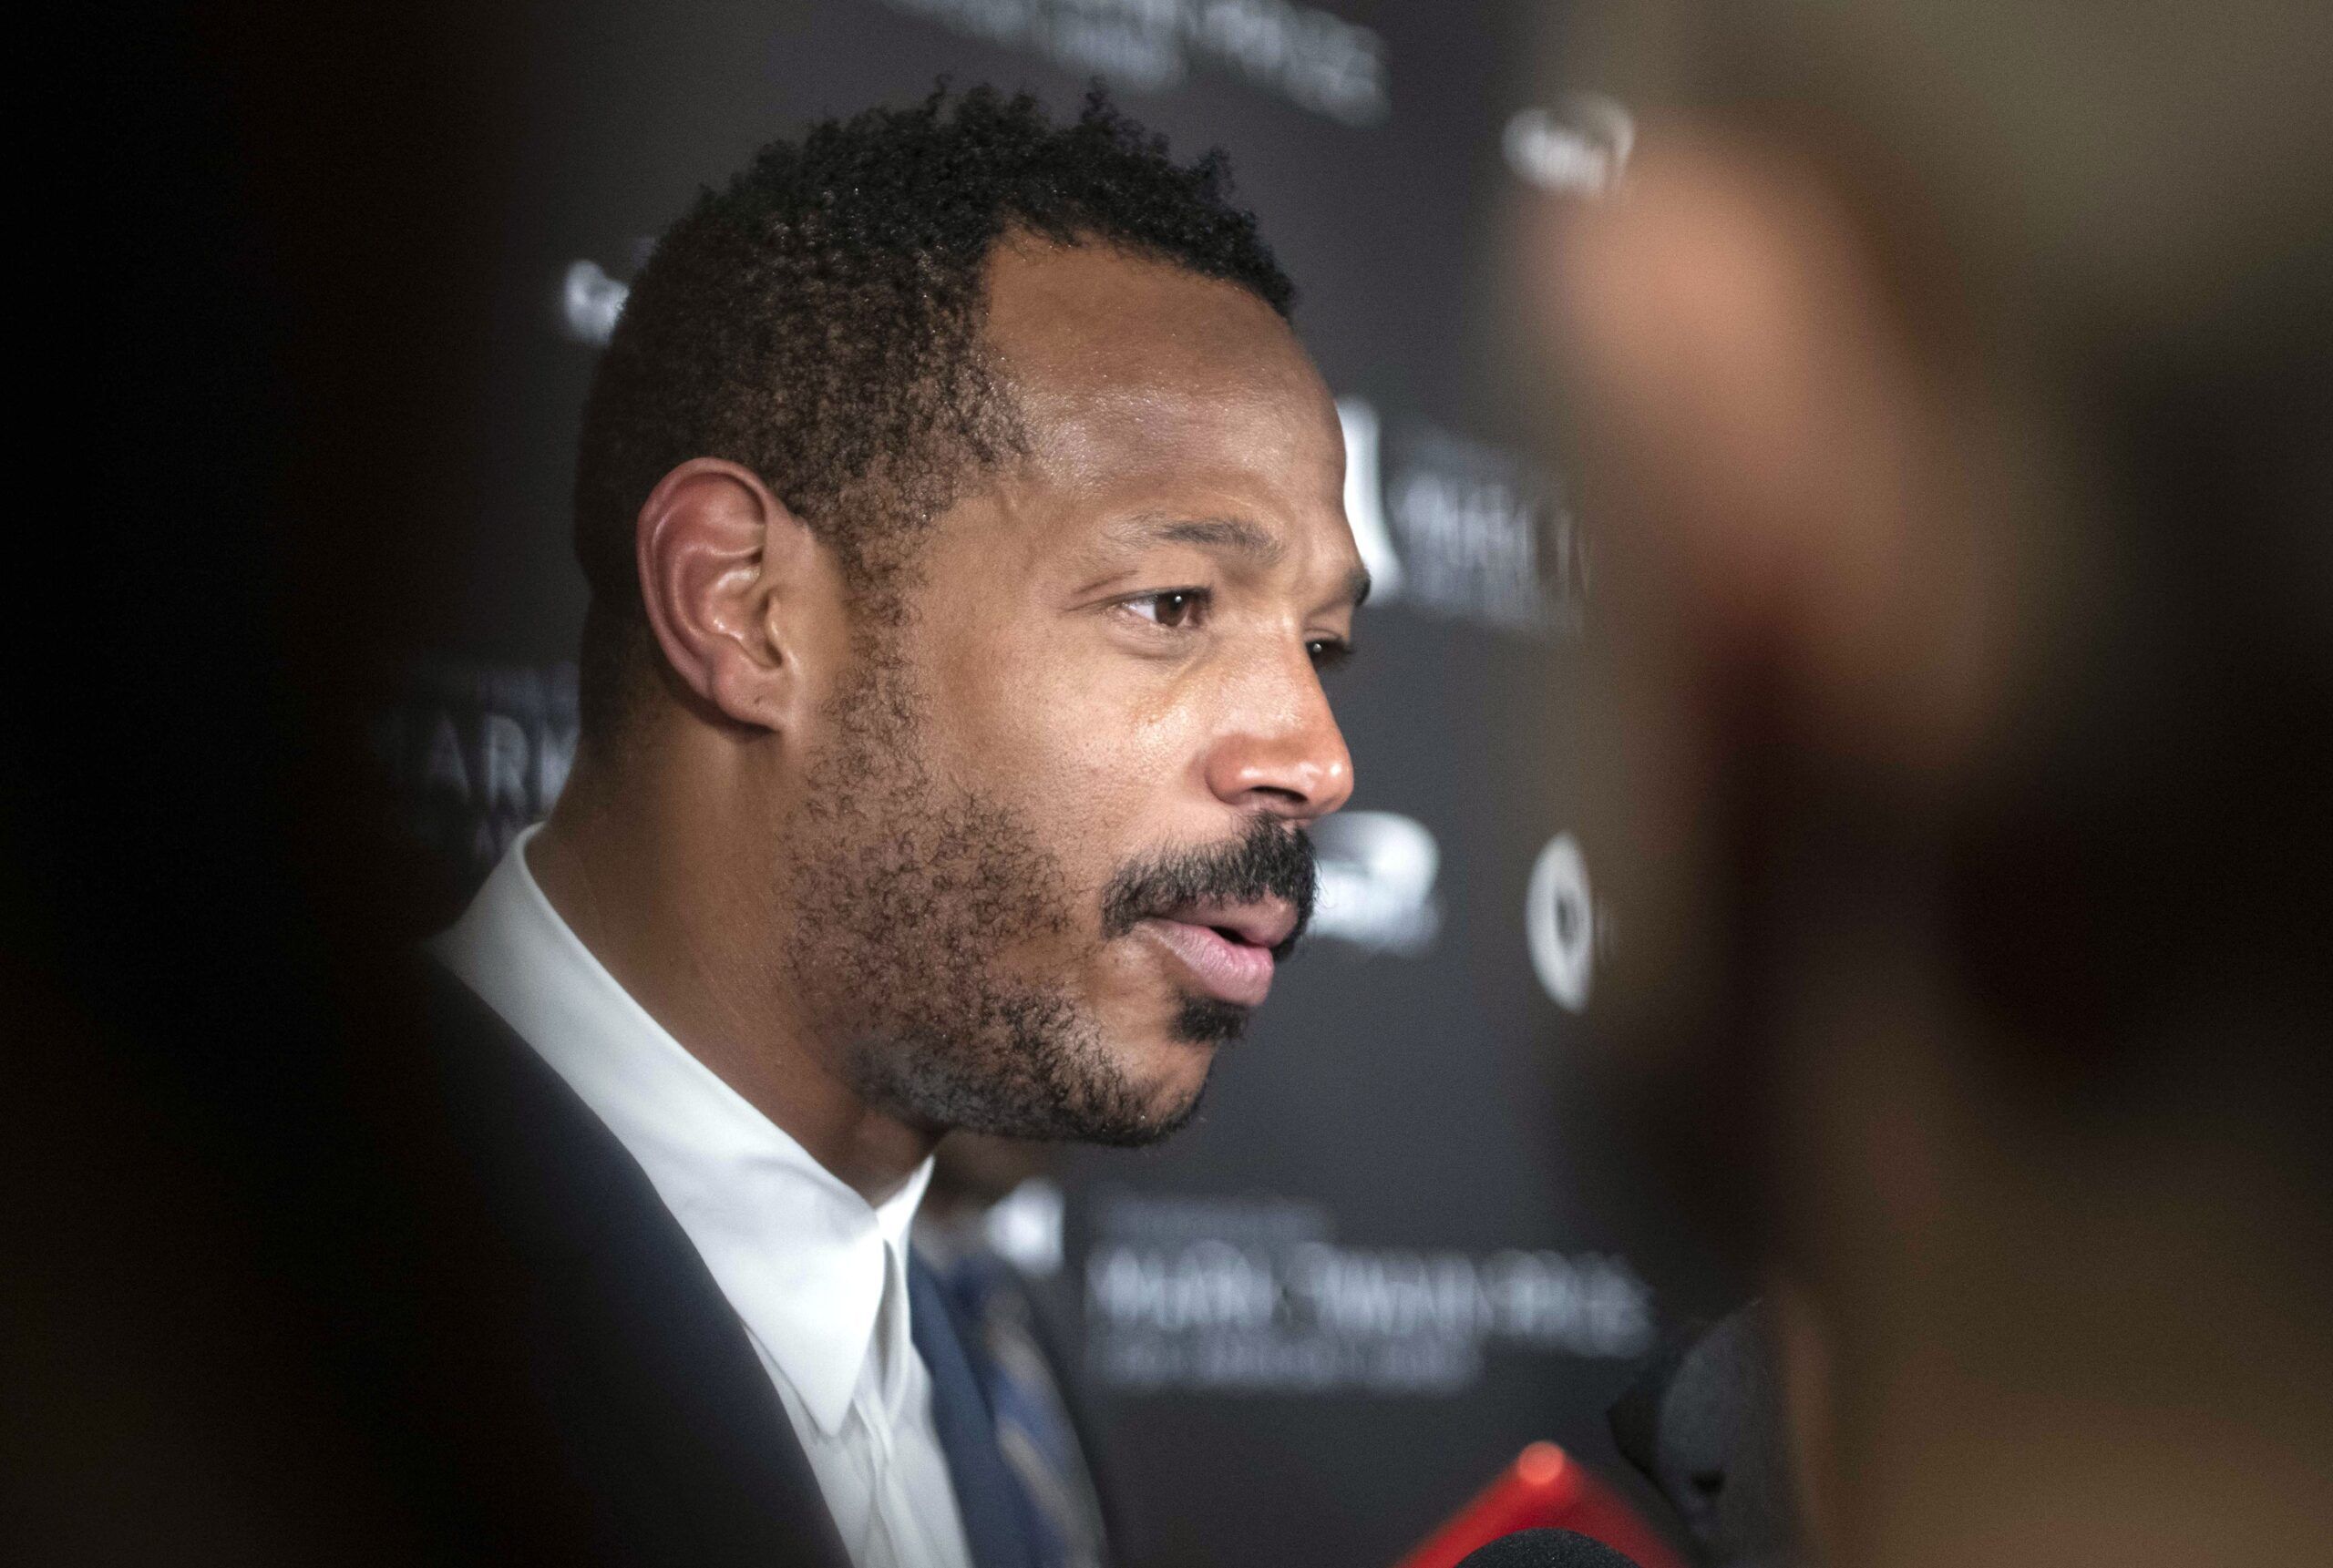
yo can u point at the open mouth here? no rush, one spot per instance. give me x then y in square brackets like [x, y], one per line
[1230, 952]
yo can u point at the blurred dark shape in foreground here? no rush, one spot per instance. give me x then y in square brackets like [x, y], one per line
[1950, 382]
[238, 218]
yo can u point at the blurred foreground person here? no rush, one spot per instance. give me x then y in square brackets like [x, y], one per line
[1951, 382]
[965, 529]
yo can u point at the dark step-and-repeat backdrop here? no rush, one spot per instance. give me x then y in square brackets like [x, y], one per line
[1316, 1322]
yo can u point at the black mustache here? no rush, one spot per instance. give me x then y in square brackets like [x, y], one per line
[1267, 861]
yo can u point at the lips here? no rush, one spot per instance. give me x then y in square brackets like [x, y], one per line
[1229, 950]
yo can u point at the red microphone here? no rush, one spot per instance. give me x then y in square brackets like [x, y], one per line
[1544, 1487]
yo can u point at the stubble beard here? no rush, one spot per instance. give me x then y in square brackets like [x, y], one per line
[906, 893]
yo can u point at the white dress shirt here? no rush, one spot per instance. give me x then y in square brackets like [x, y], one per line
[817, 1276]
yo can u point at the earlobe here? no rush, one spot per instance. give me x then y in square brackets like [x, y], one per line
[708, 536]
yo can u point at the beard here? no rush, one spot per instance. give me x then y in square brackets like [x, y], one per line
[906, 892]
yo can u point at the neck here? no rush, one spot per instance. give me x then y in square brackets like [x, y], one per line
[2078, 1354]
[2020, 1338]
[2103, 1482]
[643, 867]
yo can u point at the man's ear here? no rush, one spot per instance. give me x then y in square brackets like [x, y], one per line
[737, 590]
[1775, 435]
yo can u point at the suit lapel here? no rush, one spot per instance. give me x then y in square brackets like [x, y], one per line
[664, 1417]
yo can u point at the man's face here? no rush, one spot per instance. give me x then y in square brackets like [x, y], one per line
[1051, 843]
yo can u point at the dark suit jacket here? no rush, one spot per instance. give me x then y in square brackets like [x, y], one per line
[567, 1380]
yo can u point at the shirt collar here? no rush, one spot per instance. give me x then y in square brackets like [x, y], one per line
[800, 1256]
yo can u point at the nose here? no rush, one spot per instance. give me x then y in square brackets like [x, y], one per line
[1281, 751]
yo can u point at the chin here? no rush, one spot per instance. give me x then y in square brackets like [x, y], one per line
[1173, 1068]
[1172, 1108]
[1169, 1073]
[1157, 1065]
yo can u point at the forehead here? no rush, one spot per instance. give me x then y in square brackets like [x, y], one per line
[1127, 370]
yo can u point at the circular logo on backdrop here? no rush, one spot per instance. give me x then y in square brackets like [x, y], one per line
[1577, 148]
[590, 302]
[1377, 875]
[1559, 918]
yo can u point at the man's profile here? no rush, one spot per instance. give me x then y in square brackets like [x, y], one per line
[963, 524]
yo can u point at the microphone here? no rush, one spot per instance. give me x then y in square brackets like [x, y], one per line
[1704, 1424]
[1544, 1493]
[1546, 1548]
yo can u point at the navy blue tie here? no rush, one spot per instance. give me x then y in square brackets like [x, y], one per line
[997, 1526]
[997, 1319]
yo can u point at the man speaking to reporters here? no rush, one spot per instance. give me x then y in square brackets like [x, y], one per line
[964, 532]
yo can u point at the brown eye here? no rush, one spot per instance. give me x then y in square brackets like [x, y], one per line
[1174, 610]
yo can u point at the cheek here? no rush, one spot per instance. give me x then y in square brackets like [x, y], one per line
[1095, 751]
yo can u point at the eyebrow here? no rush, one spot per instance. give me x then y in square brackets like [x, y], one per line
[1236, 535]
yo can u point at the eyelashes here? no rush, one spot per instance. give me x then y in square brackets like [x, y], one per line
[1174, 609]
[1170, 610]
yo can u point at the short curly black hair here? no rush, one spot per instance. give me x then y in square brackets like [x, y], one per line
[818, 322]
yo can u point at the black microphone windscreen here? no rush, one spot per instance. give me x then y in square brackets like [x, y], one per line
[1545, 1549]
